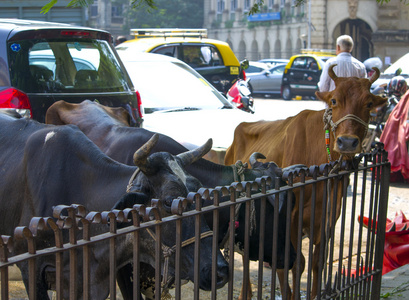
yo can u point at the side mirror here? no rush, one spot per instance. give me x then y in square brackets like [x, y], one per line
[398, 72]
[244, 64]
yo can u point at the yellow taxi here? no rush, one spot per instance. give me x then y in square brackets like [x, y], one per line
[302, 73]
[213, 59]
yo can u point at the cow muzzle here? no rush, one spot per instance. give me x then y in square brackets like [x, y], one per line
[347, 144]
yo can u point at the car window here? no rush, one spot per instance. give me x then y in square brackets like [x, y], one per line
[254, 69]
[157, 80]
[300, 63]
[65, 66]
[167, 50]
[278, 70]
[198, 56]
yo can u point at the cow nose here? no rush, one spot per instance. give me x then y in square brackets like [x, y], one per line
[347, 143]
[222, 276]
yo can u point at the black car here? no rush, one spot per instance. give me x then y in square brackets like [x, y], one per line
[42, 62]
[301, 76]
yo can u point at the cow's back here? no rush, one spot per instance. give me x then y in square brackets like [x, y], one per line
[282, 141]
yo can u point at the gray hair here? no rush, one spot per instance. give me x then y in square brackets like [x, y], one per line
[345, 42]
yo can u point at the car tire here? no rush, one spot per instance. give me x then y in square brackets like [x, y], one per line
[287, 93]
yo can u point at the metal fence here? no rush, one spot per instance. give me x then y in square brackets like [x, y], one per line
[350, 266]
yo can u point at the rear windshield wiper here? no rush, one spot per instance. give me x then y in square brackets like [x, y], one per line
[187, 108]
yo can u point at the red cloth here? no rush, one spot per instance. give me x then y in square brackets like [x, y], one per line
[396, 249]
[395, 135]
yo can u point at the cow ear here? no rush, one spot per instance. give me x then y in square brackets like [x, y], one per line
[378, 100]
[322, 95]
[122, 115]
[130, 199]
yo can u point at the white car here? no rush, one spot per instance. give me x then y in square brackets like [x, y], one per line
[180, 103]
[390, 72]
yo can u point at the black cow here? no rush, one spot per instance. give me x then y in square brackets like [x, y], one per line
[43, 165]
[109, 129]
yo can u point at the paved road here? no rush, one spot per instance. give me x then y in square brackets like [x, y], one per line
[276, 109]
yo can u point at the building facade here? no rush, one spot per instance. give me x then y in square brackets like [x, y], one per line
[30, 10]
[282, 30]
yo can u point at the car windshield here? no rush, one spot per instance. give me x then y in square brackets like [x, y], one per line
[65, 66]
[402, 63]
[166, 85]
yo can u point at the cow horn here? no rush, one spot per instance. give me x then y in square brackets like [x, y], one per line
[194, 155]
[140, 156]
[253, 158]
[375, 75]
[331, 72]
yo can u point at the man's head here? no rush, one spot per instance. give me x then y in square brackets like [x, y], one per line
[344, 44]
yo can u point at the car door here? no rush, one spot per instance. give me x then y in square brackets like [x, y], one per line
[272, 80]
[304, 74]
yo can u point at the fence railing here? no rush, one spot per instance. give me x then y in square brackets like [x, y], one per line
[350, 266]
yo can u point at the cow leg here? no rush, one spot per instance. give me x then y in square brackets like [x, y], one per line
[315, 263]
[125, 284]
[249, 292]
[285, 290]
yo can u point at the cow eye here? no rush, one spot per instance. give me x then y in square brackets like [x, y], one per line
[370, 104]
[333, 101]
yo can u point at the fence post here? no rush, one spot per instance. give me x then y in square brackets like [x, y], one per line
[381, 224]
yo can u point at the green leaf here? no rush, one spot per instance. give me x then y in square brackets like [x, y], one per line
[48, 6]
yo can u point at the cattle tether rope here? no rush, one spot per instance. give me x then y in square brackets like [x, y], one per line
[167, 253]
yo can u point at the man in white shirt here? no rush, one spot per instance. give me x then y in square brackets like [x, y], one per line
[347, 65]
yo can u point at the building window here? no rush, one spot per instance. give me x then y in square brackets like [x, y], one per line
[270, 5]
[233, 7]
[247, 5]
[220, 6]
[94, 10]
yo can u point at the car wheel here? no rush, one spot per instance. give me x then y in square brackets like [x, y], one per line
[287, 92]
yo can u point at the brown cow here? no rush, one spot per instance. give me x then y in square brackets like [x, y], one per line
[301, 139]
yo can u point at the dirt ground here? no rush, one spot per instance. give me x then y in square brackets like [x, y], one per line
[398, 200]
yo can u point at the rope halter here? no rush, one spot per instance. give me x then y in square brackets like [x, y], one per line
[328, 123]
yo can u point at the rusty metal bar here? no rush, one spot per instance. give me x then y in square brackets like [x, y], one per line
[136, 286]
[4, 271]
[178, 259]
[245, 255]
[262, 226]
[380, 241]
[231, 232]
[158, 261]
[215, 244]
[196, 275]
[276, 200]
[298, 248]
[311, 248]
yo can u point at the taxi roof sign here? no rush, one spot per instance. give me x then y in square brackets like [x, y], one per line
[168, 32]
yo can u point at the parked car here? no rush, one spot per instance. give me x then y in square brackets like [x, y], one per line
[391, 71]
[274, 61]
[256, 67]
[301, 76]
[213, 59]
[179, 102]
[268, 81]
[43, 62]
